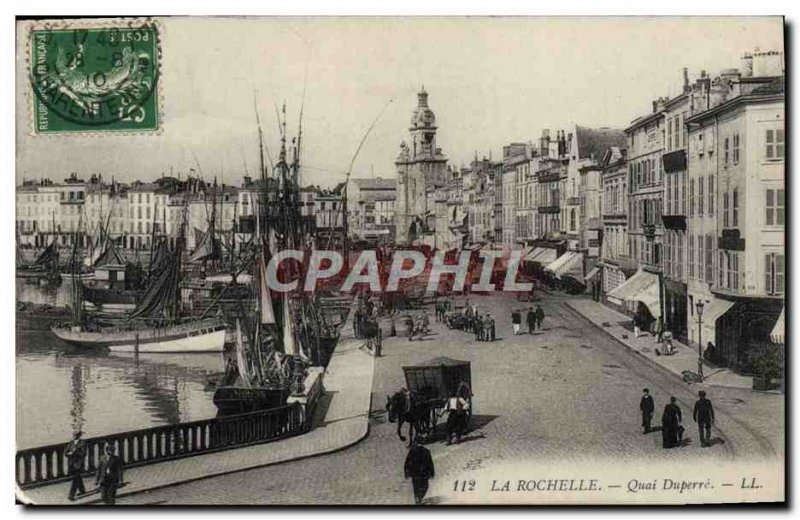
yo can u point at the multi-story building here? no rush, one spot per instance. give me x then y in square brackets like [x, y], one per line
[736, 224]
[371, 205]
[479, 200]
[516, 159]
[645, 202]
[527, 207]
[421, 167]
[617, 265]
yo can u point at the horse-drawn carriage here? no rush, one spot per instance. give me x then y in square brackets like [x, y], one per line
[439, 378]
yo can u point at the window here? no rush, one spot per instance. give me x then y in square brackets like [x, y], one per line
[710, 194]
[735, 215]
[774, 269]
[669, 134]
[691, 198]
[700, 197]
[726, 151]
[709, 258]
[700, 257]
[776, 211]
[774, 144]
[721, 279]
[679, 257]
[735, 148]
[683, 194]
[691, 256]
[725, 210]
[667, 252]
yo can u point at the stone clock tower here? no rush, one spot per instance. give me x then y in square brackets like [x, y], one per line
[421, 171]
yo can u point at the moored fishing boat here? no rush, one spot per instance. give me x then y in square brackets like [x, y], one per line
[196, 336]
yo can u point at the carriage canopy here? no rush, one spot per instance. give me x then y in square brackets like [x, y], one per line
[438, 377]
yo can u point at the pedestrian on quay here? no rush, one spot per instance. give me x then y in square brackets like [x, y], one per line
[516, 319]
[671, 425]
[456, 417]
[76, 454]
[409, 327]
[539, 317]
[659, 330]
[492, 331]
[478, 328]
[637, 325]
[419, 468]
[530, 320]
[703, 415]
[647, 407]
[392, 325]
[426, 323]
[109, 475]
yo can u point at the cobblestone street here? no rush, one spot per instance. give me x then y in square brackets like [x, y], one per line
[567, 394]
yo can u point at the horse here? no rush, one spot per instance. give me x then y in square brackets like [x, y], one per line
[417, 414]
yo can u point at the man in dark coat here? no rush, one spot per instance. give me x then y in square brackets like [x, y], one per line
[109, 475]
[76, 454]
[530, 320]
[516, 320]
[490, 327]
[647, 406]
[704, 417]
[419, 468]
[671, 424]
[539, 317]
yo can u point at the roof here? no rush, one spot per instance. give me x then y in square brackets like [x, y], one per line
[442, 360]
[378, 183]
[592, 142]
[776, 87]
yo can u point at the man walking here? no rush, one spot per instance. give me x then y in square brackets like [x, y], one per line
[530, 320]
[76, 454]
[109, 475]
[539, 317]
[491, 327]
[704, 417]
[516, 319]
[419, 468]
[647, 406]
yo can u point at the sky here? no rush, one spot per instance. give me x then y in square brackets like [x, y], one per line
[490, 81]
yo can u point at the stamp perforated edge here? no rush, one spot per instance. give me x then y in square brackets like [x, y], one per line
[99, 23]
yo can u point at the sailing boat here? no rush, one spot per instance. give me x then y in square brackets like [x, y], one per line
[154, 325]
[273, 345]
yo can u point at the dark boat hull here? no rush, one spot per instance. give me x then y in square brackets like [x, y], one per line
[100, 296]
[232, 400]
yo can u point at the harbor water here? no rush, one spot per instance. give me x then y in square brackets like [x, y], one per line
[60, 387]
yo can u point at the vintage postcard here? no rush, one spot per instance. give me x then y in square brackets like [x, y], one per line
[400, 260]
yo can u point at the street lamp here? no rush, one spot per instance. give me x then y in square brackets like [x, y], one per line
[699, 307]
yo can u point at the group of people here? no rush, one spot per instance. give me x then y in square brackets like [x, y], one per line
[672, 418]
[109, 471]
[417, 326]
[483, 326]
[442, 307]
[533, 319]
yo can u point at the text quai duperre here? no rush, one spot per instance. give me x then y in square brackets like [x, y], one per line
[545, 485]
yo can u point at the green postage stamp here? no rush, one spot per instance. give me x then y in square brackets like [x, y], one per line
[95, 78]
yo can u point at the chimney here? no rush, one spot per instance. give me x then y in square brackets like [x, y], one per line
[686, 87]
[655, 106]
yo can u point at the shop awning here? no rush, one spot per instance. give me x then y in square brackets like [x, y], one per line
[713, 311]
[594, 272]
[641, 287]
[542, 255]
[568, 264]
[778, 333]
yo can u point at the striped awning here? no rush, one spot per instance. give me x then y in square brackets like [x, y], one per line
[541, 255]
[641, 287]
[778, 334]
[711, 313]
[568, 264]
